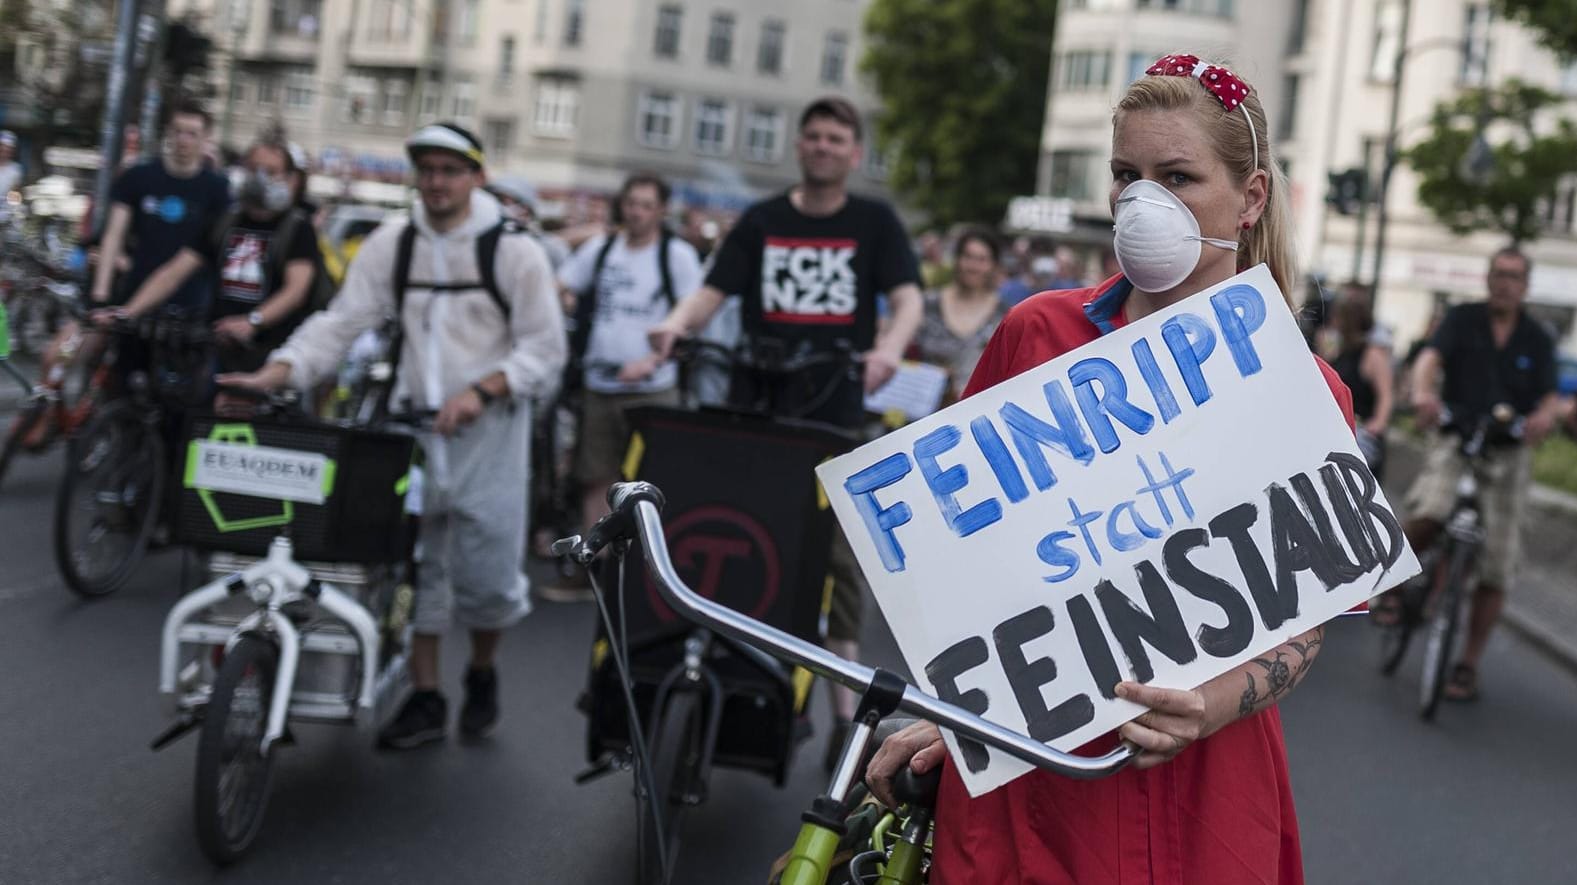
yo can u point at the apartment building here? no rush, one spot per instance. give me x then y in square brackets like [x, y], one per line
[1341, 56]
[1324, 70]
[574, 94]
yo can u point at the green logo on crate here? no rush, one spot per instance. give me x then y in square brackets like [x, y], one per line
[230, 460]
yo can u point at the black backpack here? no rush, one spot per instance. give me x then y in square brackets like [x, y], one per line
[586, 304]
[486, 257]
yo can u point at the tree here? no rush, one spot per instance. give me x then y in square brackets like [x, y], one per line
[1552, 19]
[963, 88]
[1510, 194]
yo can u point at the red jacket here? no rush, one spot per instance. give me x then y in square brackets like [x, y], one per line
[1220, 813]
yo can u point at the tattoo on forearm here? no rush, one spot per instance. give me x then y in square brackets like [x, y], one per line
[1282, 670]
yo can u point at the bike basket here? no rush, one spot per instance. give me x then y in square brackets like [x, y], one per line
[339, 493]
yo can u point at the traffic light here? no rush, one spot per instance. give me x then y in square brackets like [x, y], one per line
[185, 49]
[1347, 191]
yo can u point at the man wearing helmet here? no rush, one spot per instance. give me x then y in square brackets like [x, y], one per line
[479, 333]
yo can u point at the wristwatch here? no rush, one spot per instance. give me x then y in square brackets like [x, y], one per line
[482, 394]
[255, 319]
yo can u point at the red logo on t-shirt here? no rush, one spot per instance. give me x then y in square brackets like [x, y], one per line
[809, 281]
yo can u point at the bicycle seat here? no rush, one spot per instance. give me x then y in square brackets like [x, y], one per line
[917, 789]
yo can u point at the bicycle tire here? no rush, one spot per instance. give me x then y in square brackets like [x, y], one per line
[1443, 627]
[117, 426]
[673, 753]
[230, 744]
[20, 428]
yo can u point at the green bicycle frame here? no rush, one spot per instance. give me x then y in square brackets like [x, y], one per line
[810, 863]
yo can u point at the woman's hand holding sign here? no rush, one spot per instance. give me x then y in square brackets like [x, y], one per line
[1176, 719]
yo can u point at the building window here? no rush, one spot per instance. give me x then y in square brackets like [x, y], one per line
[1220, 8]
[670, 24]
[389, 20]
[1387, 42]
[267, 90]
[432, 100]
[506, 59]
[395, 94]
[1287, 119]
[834, 55]
[714, 119]
[499, 136]
[299, 90]
[1476, 45]
[558, 107]
[470, 22]
[1300, 27]
[657, 124]
[1070, 174]
[878, 161]
[769, 54]
[360, 95]
[720, 40]
[294, 18]
[764, 135]
[574, 21]
[238, 87]
[1139, 62]
[1083, 70]
[463, 104]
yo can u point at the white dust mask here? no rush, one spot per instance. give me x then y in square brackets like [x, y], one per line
[1157, 241]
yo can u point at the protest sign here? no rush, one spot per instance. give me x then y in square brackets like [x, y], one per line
[1163, 504]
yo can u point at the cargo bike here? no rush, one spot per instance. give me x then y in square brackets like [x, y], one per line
[311, 546]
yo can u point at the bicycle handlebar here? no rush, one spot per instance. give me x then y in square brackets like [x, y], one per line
[636, 515]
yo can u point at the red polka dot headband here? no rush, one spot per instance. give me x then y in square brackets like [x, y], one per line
[1227, 87]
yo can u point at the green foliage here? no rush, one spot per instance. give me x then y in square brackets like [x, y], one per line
[1555, 463]
[963, 88]
[1541, 149]
[1554, 20]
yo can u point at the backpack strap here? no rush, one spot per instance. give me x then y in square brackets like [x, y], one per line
[486, 256]
[402, 280]
[664, 241]
[279, 246]
[586, 308]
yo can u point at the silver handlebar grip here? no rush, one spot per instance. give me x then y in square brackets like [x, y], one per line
[649, 529]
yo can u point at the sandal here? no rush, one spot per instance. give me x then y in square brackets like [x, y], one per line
[1463, 685]
[1385, 610]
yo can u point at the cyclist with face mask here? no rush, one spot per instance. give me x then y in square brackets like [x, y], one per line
[263, 256]
[1197, 196]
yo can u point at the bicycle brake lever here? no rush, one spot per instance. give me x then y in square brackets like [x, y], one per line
[566, 546]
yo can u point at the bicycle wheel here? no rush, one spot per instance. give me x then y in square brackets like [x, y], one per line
[1395, 638]
[233, 772]
[21, 427]
[674, 748]
[1443, 630]
[109, 500]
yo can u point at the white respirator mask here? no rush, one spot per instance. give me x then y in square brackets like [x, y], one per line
[1157, 238]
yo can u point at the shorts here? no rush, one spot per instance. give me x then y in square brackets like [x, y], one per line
[847, 603]
[605, 432]
[473, 529]
[1503, 497]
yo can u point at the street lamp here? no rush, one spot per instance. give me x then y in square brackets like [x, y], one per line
[1479, 161]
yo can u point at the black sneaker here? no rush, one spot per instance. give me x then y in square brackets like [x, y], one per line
[480, 712]
[421, 721]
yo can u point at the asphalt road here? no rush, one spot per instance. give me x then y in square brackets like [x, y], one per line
[1483, 795]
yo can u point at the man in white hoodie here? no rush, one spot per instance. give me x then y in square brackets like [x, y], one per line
[476, 343]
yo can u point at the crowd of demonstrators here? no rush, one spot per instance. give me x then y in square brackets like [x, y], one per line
[261, 256]
[517, 199]
[476, 344]
[808, 265]
[1194, 170]
[962, 315]
[1483, 354]
[620, 284]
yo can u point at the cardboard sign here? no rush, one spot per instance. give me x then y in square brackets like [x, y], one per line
[1162, 505]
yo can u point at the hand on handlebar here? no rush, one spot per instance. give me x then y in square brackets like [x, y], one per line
[639, 370]
[662, 338]
[108, 316]
[1537, 426]
[918, 746]
[1426, 407]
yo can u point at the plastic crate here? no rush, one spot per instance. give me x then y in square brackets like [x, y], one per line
[339, 493]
